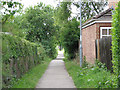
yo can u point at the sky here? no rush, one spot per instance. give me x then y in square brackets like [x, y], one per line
[53, 3]
[28, 3]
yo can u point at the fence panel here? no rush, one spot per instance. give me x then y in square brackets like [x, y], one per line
[103, 51]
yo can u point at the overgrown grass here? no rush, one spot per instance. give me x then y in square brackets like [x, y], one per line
[30, 79]
[95, 76]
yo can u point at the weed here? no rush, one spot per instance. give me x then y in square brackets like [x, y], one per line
[85, 64]
[30, 79]
[91, 76]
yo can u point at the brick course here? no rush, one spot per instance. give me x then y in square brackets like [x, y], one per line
[88, 43]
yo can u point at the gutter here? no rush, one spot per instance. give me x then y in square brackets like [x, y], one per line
[86, 25]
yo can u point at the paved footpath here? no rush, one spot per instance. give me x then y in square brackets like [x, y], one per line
[56, 75]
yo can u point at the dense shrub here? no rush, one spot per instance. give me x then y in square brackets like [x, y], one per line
[116, 43]
[39, 26]
[18, 56]
[70, 38]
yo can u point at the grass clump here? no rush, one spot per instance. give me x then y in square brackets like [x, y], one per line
[30, 79]
[90, 76]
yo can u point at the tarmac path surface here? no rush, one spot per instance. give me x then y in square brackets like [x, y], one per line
[56, 75]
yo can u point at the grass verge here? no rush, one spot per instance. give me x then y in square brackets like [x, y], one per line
[31, 78]
[95, 76]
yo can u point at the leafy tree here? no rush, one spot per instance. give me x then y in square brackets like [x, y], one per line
[70, 38]
[90, 8]
[39, 24]
[62, 13]
[69, 31]
[9, 8]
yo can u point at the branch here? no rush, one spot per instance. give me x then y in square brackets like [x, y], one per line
[94, 7]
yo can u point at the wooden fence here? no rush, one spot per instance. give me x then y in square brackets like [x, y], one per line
[103, 51]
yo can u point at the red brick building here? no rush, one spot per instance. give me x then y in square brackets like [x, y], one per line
[97, 27]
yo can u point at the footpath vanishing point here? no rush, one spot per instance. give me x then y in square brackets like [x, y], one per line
[56, 75]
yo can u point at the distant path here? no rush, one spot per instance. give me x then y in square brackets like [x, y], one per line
[56, 75]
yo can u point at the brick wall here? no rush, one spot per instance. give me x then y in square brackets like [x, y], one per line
[88, 43]
[89, 35]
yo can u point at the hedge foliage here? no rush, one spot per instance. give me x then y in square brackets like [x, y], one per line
[18, 56]
[116, 43]
[70, 38]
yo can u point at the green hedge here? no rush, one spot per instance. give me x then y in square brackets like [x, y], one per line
[18, 56]
[116, 43]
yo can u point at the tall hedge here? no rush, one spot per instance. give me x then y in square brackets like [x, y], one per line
[116, 43]
[70, 38]
[18, 56]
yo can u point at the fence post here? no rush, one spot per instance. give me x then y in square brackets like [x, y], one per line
[97, 49]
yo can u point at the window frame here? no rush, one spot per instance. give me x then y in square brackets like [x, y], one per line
[101, 28]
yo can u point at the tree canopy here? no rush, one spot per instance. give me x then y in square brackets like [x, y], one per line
[38, 23]
[69, 31]
[90, 8]
[9, 8]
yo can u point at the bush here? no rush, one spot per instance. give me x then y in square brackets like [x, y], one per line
[18, 56]
[70, 38]
[116, 43]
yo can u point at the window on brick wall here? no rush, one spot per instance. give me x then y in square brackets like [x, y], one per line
[105, 32]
